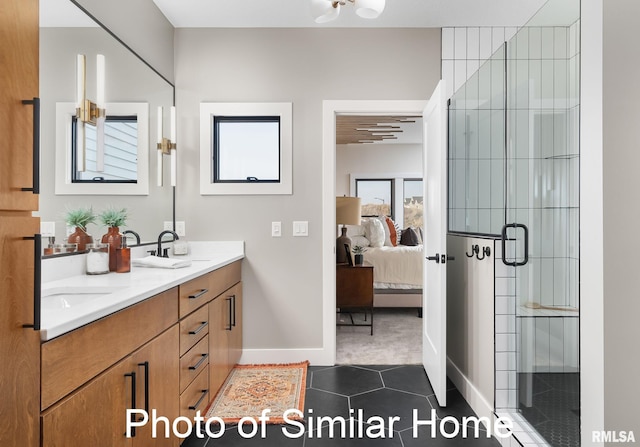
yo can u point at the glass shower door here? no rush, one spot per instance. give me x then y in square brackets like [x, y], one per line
[540, 238]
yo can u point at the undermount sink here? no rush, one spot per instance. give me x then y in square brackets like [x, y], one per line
[68, 297]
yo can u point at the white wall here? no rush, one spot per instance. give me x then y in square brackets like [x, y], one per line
[283, 276]
[375, 159]
[470, 325]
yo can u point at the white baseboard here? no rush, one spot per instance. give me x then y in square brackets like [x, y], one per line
[315, 356]
[472, 395]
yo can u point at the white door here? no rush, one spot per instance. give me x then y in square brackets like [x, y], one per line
[434, 291]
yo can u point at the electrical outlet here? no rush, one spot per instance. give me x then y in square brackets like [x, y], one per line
[180, 228]
[276, 229]
[168, 225]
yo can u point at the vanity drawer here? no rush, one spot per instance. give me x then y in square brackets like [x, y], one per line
[194, 294]
[197, 396]
[193, 362]
[225, 277]
[193, 328]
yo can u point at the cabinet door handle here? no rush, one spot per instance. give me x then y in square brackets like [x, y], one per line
[230, 327]
[200, 362]
[233, 300]
[145, 365]
[197, 404]
[37, 275]
[199, 328]
[132, 374]
[195, 296]
[36, 144]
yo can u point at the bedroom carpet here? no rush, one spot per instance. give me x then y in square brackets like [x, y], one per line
[395, 340]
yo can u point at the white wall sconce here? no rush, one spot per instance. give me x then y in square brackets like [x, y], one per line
[167, 146]
[88, 112]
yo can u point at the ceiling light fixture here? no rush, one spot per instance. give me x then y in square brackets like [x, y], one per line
[326, 10]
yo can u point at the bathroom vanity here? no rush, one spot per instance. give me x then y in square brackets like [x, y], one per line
[169, 346]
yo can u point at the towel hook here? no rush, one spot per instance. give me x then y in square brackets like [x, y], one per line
[486, 252]
[475, 249]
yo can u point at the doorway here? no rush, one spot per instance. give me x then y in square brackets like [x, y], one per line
[330, 110]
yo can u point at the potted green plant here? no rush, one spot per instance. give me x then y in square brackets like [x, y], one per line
[80, 218]
[113, 218]
[358, 251]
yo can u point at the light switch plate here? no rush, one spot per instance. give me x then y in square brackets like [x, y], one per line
[276, 229]
[300, 228]
[48, 229]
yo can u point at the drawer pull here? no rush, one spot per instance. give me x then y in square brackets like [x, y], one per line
[200, 362]
[132, 374]
[35, 102]
[195, 296]
[197, 404]
[199, 328]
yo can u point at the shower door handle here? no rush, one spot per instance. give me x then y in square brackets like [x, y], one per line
[504, 245]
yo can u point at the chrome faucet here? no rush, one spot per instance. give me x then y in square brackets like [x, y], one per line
[136, 235]
[160, 252]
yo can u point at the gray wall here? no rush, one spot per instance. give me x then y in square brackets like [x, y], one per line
[621, 159]
[128, 80]
[283, 276]
[141, 25]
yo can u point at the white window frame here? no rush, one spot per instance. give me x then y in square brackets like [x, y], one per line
[65, 111]
[208, 110]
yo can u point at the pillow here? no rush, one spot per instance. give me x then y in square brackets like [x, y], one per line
[359, 240]
[355, 230]
[409, 237]
[374, 231]
[393, 235]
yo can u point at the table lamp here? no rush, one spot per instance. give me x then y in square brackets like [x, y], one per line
[347, 213]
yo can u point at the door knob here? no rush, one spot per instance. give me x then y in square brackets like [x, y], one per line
[434, 258]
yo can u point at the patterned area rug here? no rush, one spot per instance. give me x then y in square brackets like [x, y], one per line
[250, 389]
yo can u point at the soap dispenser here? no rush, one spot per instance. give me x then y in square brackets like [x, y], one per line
[123, 257]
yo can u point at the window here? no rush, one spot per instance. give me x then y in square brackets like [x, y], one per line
[120, 151]
[413, 203]
[246, 148]
[126, 152]
[393, 194]
[376, 196]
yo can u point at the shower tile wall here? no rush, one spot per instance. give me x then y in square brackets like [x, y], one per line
[464, 49]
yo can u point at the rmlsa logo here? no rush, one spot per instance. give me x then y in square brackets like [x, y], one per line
[612, 436]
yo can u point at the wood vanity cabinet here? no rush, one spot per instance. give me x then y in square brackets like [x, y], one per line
[157, 354]
[89, 376]
[19, 346]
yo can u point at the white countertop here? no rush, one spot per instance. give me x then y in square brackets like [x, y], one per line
[132, 287]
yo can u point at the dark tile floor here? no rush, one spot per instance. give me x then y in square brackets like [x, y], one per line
[555, 410]
[365, 391]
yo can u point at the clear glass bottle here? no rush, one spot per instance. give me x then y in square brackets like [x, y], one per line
[97, 259]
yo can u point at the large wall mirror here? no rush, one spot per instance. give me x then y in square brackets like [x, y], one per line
[131, 86]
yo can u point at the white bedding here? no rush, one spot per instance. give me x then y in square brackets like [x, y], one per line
[401, 265]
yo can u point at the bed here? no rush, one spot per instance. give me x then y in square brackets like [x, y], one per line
[397, 268]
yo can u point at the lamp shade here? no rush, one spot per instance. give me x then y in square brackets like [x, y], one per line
[324, 10]
[347, 211]
[369, 9]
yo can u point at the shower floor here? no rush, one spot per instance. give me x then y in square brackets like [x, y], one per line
[555, 410]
